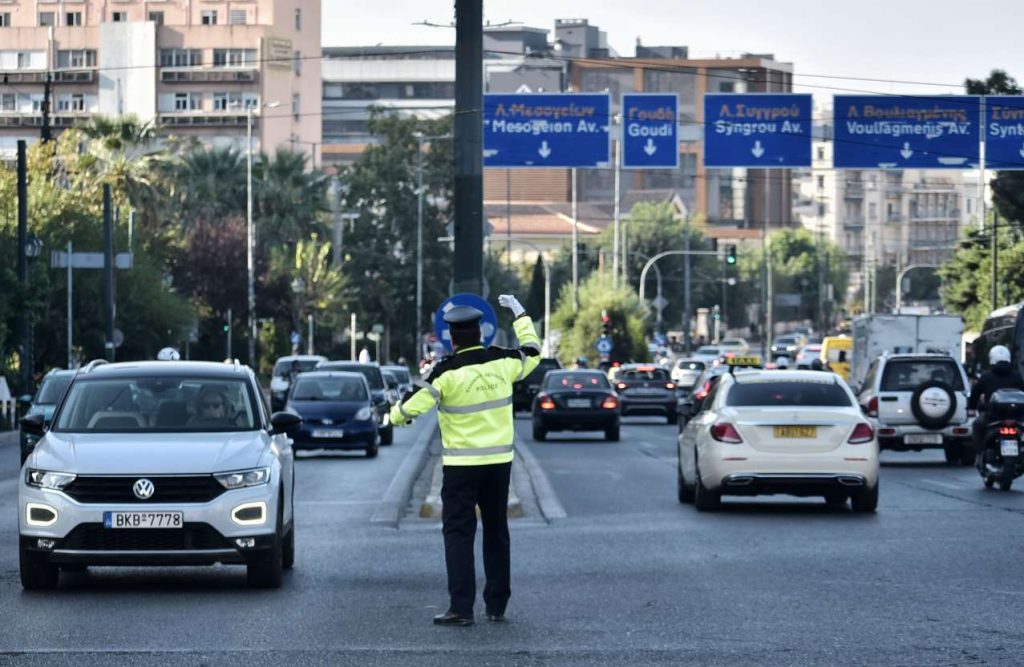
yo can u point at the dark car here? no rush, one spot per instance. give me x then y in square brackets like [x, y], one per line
[690, 404]
[646, 390]
[576, 400]
[50, 391]
[378, 392]
[524, 390]
[336, 412]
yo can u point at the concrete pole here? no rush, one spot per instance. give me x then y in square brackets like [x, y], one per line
[468, 196]
[575, 250]
[616, 221]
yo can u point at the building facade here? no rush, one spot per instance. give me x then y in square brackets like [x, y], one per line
[192, 68]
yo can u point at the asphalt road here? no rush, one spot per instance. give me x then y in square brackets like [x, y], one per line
[630, 577]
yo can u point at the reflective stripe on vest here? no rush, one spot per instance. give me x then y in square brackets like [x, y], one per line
[476, 407]
[477, 451]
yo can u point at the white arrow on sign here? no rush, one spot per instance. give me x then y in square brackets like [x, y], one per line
[907, 152]
[650, 148]
[1022, 150]
[757, 150]
[544, 150]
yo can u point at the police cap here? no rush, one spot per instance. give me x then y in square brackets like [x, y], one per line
[463, 317]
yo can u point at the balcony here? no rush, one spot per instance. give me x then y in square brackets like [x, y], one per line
[208, 75]
[894, 217]
[35, 119]
[22, 77]
[942, 215]
[202, 119]
[854, 191]
[853, 221]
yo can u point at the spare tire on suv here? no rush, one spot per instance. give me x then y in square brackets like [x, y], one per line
[933, 404]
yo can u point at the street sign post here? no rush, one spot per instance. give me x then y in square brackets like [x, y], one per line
[604, 345]
[906, 132]
[547, 130]
[488, 325]
[650, 131]
[1004, 132]
[758, 130]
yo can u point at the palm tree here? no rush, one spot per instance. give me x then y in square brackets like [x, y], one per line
[209, 184]
[289, 199]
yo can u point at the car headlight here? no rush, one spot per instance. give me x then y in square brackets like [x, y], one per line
[44, 479]
[364, 414]
[243, 478]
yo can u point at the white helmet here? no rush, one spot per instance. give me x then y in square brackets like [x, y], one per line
[998, 354]
[168, 354]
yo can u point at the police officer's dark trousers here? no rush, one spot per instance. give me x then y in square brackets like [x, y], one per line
[463, 489]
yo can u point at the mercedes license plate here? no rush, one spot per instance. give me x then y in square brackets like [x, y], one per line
[923, 439]
[796, 431]
[578, 402]
[328, 433]
[143, 519]
[1008, 448]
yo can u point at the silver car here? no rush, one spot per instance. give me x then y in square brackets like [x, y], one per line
[159, 463]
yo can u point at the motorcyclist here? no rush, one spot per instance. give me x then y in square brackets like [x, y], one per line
[1001, 375]
[168, 354]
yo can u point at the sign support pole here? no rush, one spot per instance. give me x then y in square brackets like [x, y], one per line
[71, 254]
[575, 251]
[616, 216]
[108, 270]
[468, 258]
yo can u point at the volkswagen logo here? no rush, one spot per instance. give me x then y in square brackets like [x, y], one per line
[143, 489]
[328, 422]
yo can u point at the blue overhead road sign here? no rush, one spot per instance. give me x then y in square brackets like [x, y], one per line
[547, 130]
[906, 132]
[1004, 132]
[758, 130]
[650, 130]
[488, 324]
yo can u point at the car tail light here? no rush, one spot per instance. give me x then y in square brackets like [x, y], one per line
[725, 432]
[621, 385]
[670, 385]
[702, 394]
[873, 407]
[861, 433]
[546, 403]
[1008, 428]
[610, 403]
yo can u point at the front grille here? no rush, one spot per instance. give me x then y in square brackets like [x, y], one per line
[94, 537]
[172, 489]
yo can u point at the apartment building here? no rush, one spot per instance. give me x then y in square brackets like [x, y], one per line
[194, 68]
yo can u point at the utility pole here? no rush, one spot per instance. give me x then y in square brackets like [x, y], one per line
[687, 338]
[339, 228]
[25, 352]
[468, 196]
[615, 216]
[995, 258]
[765, 334]
[45, 133]
[108, 270]
[576, 250]
[227, 330]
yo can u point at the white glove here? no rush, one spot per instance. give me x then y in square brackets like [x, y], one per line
[512, 303]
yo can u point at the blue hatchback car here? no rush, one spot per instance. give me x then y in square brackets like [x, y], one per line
[336, 411]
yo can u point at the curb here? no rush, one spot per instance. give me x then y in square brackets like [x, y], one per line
[399, 492]
[550, 506]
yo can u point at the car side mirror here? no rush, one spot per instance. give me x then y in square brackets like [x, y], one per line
[284, 422]
[34, 425]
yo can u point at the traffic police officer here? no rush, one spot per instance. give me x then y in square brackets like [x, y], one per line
[473, 389]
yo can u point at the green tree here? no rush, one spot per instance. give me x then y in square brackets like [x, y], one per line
[581, 330]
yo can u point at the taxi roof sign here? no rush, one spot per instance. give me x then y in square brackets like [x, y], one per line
[744, 361]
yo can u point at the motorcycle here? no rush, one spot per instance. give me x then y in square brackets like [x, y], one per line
[1001, 460]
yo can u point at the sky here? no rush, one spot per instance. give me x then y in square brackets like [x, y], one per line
[897, 41]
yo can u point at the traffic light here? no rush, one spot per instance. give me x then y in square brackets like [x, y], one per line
[604, 322]
[730, 254]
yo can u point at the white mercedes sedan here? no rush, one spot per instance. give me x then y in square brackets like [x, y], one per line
[779, 432]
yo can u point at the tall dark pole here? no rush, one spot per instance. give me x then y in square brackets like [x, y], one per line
[469, 229]
[25, 354]
[108, 271]
[995, 259]
[45, 133]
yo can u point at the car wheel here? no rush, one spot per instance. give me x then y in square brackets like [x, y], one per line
[268, 571]
[371, 451]
[36, 573]
[704, 499]
[288, 548]
[952, 452]
[865, 500]
[611, 434]
[539, 432]
[387, 436]
[685, 493]
[836, 499]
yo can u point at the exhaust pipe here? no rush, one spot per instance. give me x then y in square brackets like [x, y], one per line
[851, 481]
[740, 481]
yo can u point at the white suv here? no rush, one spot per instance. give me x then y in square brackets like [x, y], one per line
[919, 401]
[159, 463]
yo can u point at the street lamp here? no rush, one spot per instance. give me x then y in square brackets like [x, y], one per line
[420, 140]
[250, 240]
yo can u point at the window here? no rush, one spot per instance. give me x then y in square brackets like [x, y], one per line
[821, 180]
[157, 18]
[821, 152]
[47, 19]
[8, 102]
[297, 63]
[73, 102]
[298, 19]
[181, 57]
[5, 19]
[119, 17]
[73, 19]
[873, 211]
[238, 17]
[227, 101]
[209, 17]
[76, 58]
[571, 379]
[188, 102]
[24, 60]
[907, 375]
[296, 105]
[787, 394]
[234, 57]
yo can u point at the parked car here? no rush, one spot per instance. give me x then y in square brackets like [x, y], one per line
[576, 400]
[378, 392]
[526, 389]
[159, 463]
[336, 412]
[685, 373]
[919, 401]
[44, 402]
[285, 368]
[401, 373]
[644, 389]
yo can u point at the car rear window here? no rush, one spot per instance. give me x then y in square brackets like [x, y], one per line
[329, 389]
[644, 374]
[571, 380]
[538, 373]
[909, 374]
[400, 374]
[690, 365]
[707, 350]
[785, 394]
[373, 376]
[283, 368]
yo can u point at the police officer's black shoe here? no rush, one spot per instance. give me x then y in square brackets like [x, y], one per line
[495, 617]
[451, 618]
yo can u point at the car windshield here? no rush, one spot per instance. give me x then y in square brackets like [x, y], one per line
[644, 374]
[372, 374]
[576, 381]
[907, 375]
[732, 341]
[158, 404]
[400, 374]
[786, 394]
[785, 340]
[390, 380]
[690, 365]
[52, 389]
[283, 368]
[329, 389]
[707, 349]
